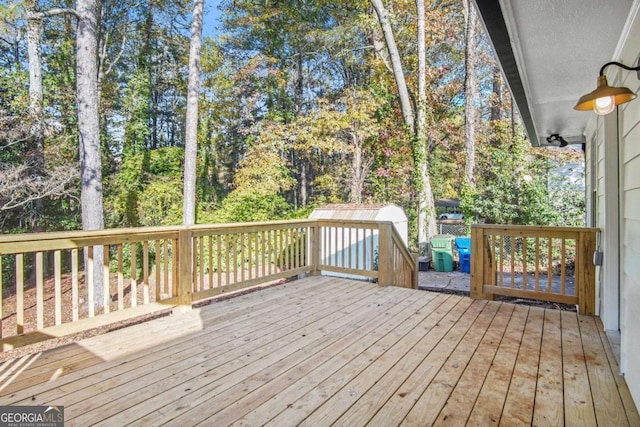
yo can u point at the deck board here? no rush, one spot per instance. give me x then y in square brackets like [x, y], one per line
[325, 351]
[519, 404]
[549, 408]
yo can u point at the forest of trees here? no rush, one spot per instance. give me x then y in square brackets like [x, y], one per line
[300, 103]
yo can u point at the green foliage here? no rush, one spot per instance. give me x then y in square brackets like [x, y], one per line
[514, 184]
[252, 206]
[295, 111]
[166, 161]
[160, 203]
[147, 190]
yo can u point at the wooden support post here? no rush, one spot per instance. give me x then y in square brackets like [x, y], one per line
[482, 265]
[477, 263]
[586, 273]
[385, 254]
[415, 271]
[185, 275]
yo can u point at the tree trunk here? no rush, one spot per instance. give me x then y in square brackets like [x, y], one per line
[470, 92]
[426, 205]
[496, 101]
[191, 127]
[396, 63]
[356, 185]
[36, 160]
[304, 182]
[426, 210]
[88, 131]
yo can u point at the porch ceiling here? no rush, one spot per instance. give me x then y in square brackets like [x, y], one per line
[550, 52]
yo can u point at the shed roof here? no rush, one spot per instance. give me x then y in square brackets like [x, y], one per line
[355, 211]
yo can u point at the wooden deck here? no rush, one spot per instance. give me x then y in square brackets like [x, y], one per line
[325, 351]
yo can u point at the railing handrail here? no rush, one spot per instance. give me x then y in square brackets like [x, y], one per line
[533, 228]
[6, 239]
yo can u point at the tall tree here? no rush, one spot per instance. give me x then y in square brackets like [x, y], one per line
[396, 62]
[36, 160]
[426, 212]
[89, 131]
[191, 129]
[471, 89]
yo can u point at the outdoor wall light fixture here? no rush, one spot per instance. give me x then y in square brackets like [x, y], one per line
[556, 139]
[604, 99]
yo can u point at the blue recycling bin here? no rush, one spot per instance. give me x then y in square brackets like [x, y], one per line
[463, 246]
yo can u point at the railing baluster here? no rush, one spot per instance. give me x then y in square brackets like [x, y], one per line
[291, 245]
[524, 262]
[210, 261]
[57, 286]
[501, 240]
[219, 259]
[350, 243]
[358, 265]
[74, 285]
[165, 283]
[242, 256]
[550, 265]
[199, 258]
[39, 291]
[235, 258]
[563, 254]
[227, 257]
[106, 294]
[175, 267]
[145, 271]
[263, 257]
[512, 247]
[89, 281]
[133, 282]
[120, 278]
[537, 265]
[158, 268]
[20, 293]
[292, 248]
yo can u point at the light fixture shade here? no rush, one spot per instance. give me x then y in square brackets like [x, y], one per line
[620, 95]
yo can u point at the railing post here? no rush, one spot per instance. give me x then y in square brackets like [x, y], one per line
[385, 251]
[315, 246]
[185, 274]
[477, 263]
[482, 267]
[415, 272]
[586, 273]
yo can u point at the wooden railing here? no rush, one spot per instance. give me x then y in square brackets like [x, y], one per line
[542, 263]
[365, 248]
[50, 287]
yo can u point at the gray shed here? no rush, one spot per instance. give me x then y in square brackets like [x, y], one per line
[361, 212]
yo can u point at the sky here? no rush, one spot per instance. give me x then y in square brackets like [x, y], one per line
[211, 18]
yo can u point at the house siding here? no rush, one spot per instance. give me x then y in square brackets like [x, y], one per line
[613, 178]
[629, 140]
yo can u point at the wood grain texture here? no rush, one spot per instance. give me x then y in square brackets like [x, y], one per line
[327, 351]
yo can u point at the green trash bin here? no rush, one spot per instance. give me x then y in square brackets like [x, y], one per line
[442, 252]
